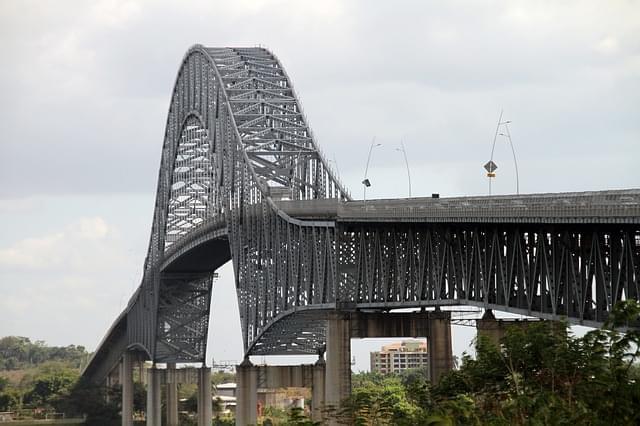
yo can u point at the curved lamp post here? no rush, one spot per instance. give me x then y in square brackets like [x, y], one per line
[406, 162]
[366, 181]
[491, 166]
[513, 152]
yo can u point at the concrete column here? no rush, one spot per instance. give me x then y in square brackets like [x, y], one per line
[439, 345]
[338, 366]
[204, 396]
[172, 395]
[108, 384]
[154, 406]
[126, 380]
[317, 390]
[490, 327]
[246, 394]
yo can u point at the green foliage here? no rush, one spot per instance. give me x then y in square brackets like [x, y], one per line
[538, 375]
[219, 377]
[292, 417]
[377, 400]
[51, 384]
[296, 417]
[88, 399]
[19, 352]
[9, 398]
[541, 374]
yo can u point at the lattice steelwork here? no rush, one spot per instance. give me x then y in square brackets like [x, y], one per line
[543, 270]
[241, 178]
[191, 186]
[183, 317]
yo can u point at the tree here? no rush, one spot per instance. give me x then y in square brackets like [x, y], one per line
[541, 374]
[9, 397]
[50, 384]
[85, 398]
[377, 400]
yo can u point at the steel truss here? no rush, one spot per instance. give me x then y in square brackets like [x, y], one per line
[236, 139]
[238, 148]
[573, 271]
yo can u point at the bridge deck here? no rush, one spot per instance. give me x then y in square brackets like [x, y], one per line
[614, 206]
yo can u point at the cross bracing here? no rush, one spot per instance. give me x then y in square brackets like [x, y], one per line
[242, 178]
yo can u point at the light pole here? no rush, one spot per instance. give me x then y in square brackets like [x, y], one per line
[406, 162]
[365, 181]
[490, 166]
[513, 152]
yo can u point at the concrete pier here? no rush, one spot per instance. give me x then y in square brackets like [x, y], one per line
[126, 379]
[338, 364]
[172, 395]
[318, 390]
[310, 376]
[246, 394]
[344, 325]
[439, 345]
[154, 405]
[204, 397]
[496, 329]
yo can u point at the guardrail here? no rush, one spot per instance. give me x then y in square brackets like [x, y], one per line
[619, 206]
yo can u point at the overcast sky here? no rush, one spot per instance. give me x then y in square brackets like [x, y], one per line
[85, 88]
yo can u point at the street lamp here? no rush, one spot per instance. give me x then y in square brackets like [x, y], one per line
[513, 152]
[491, 166]
[366, 181]
[406, 162]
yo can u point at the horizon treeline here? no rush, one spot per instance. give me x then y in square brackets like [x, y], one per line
[17, 352]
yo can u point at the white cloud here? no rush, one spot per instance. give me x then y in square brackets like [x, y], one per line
[67, 285]
[92, 228]
[87, 243]
[607, 45]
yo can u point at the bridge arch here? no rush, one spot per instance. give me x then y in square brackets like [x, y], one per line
[236, 140]
[242, 178]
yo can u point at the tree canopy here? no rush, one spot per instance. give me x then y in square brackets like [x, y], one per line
[538, 375]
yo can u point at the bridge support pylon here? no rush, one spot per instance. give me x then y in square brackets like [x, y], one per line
[247, 394]
[126, 380]
[318, 390]
[439, 345]
[204, 396]
[172, 395]
[338, 364]
[154, 405]
[495, 329]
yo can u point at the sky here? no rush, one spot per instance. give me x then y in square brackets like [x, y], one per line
[85, 88]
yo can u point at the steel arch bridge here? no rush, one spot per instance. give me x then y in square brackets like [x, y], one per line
[242, 179]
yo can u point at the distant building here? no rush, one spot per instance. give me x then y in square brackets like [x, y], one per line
[226, 394]
[396, 357]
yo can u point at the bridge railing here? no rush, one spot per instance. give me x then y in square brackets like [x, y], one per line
[588, 207]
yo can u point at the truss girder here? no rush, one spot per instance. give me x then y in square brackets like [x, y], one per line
[235, 138]
[237, 147]
[553, 271]
[183, 318]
